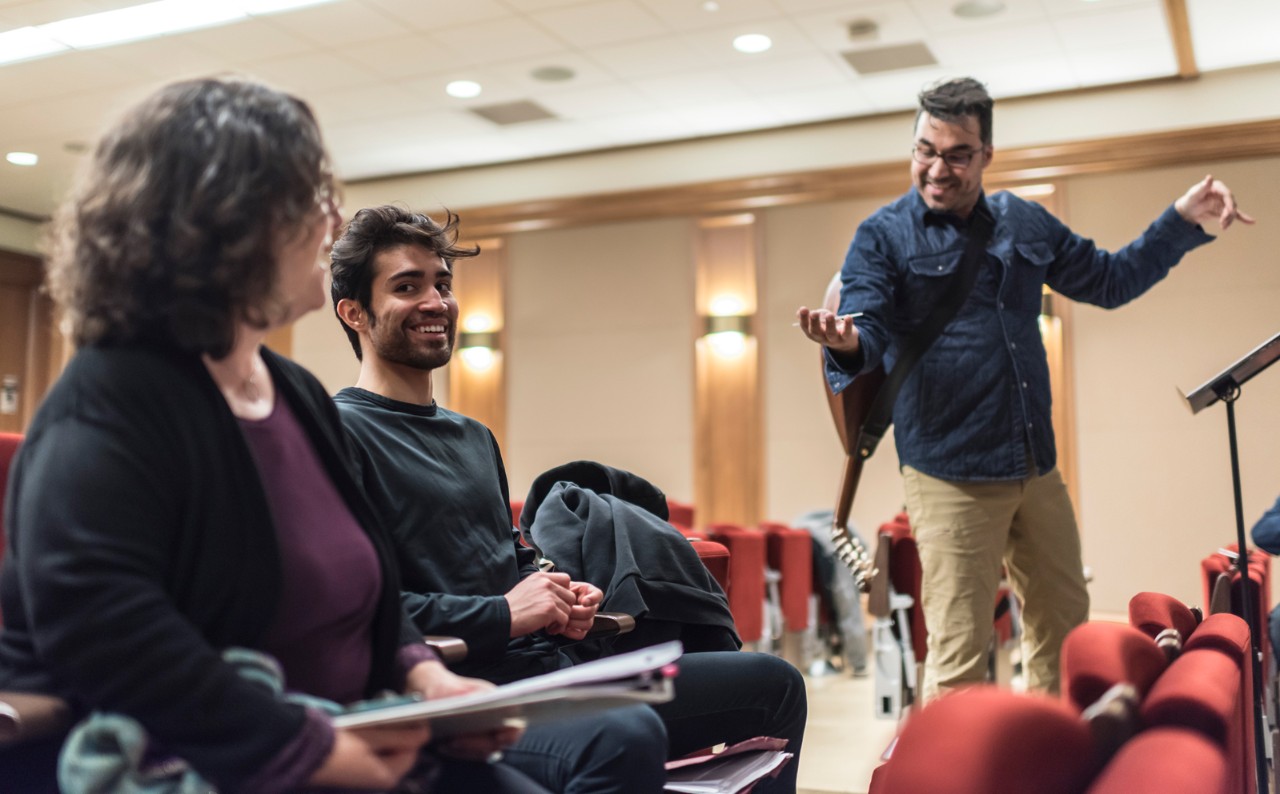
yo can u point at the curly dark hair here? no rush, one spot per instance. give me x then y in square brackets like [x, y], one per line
[168, 238]
[952, 100]
[374, 230]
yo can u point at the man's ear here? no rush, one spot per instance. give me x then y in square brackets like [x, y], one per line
[353, 314]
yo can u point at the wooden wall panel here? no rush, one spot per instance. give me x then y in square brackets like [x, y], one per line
[480, 286]
[728, 415]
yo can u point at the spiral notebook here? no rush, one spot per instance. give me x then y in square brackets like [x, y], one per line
[643, 676]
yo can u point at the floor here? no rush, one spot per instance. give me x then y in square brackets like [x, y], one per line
[844, 738]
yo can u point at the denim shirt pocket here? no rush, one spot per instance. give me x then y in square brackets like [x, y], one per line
[1030, 267]
[927, 277]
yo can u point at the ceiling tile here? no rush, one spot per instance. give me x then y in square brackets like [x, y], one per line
[1006, 43]
[600, 23]
[338, 24]
[596, 101]
[808, 104]
[937, 15]
[691, 14]
[406, 56]
[896, 23]
[502, 39]
[1111, 28]
[702, 88]
[717, 43]
[312, 72]
[1104, 67]
[433, 17]
[1227, 33]
[791, 74]
[715, 118]
[663, 55]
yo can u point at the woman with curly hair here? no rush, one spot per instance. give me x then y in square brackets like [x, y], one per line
[184, 491]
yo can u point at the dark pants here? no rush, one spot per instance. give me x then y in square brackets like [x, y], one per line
[723, 696]
[732, 696]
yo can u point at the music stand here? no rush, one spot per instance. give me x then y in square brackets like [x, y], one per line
[1225, 386]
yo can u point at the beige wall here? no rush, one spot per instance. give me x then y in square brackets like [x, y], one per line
[19, 235]
[601, 351]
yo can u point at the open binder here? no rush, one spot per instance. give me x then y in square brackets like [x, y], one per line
[643, 676]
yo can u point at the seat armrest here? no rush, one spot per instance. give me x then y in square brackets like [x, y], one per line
[25, 716]
[607, 624]
[450, 649]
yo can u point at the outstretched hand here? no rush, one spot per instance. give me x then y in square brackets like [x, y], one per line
[827, 328]
[1207, 200]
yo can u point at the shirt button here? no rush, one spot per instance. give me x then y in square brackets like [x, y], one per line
[1001, 304]
[1013, 345]
[1028, 425]
[1024, 384]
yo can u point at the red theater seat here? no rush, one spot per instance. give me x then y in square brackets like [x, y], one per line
[1168, 761]
[984, 740]
[789, 551]
[1204, 690]
[746, 574]
[1155, 613]
[1098, 655]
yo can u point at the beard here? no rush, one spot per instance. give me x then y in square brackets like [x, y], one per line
[395, 345]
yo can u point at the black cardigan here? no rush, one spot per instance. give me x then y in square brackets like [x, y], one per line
[141, 544]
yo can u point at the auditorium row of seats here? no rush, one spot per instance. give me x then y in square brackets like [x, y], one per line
[1162, 703]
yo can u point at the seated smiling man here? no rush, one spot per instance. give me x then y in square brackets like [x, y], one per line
[438, 478]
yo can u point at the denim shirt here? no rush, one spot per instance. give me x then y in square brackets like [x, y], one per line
[977, 405]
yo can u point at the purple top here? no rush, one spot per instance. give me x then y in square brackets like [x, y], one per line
[330, 577]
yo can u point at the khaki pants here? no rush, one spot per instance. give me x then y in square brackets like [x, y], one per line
[964, 531]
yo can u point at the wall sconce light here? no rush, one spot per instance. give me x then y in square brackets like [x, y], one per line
[727, 334]
[478, 348]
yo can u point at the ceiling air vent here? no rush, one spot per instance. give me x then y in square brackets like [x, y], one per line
[889, 59]
[513, 112]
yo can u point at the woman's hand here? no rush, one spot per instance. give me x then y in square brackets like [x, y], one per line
[371, 757]
[433, 681]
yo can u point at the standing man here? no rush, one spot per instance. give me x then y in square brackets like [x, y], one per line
[973, 429]
[437, 478]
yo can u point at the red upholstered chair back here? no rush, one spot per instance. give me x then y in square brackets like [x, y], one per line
[1167, 760]
[680, 514]
[8, 449]
[1153, 613]
[790, 552]
[516, 508]
[1098, 655]
[905, 575]
[746, 573]
[1259, 585]
[985, 740]
[1204, 690]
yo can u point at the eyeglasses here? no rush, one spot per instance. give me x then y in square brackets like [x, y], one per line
[925, 155]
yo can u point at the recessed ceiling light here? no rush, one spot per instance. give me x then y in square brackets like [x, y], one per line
[463, 89]
[752, 42]
[22, 158]
[552, 74]
[711, 5]
[976, 9]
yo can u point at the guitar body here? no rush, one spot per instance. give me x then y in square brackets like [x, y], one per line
[849, 410]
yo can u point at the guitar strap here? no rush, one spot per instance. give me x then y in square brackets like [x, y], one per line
[880, 415]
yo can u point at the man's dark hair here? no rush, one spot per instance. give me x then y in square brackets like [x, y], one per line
[169, 236]
[951, 101]
[374, 230]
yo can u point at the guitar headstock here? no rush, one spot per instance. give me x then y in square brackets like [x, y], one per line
[851, 551]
